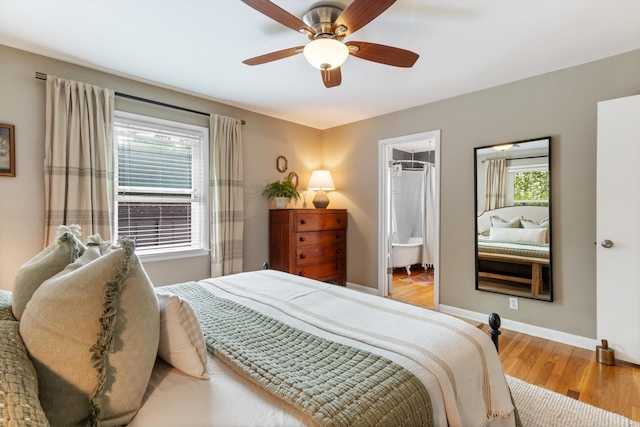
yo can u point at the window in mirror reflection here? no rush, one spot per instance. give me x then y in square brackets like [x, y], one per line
[513, 226]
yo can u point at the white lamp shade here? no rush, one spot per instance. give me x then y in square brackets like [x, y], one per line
[321, 180]
[326, 54]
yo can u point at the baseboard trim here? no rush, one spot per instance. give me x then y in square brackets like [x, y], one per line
[364, 289]
[525, 328]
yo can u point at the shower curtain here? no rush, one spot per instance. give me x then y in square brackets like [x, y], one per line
[406, 209]
[429, 225]
[413, 208]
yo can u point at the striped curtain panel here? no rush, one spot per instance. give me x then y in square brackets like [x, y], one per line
[496, 184]
[226, 190]
[78, 173]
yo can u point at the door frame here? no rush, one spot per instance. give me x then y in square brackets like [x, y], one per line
[384, 208]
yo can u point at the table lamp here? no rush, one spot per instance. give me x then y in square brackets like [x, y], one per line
[320, 182]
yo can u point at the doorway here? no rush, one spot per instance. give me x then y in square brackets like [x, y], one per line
[399, 159]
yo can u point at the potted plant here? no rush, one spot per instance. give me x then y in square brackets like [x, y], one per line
[281, 192]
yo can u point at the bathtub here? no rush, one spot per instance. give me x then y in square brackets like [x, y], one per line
[407, 254]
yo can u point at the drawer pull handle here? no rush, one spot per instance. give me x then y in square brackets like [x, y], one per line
[337, 235]
[303, 221]
[338, 251]
[339, 220]
[302, 239]
[302, 256]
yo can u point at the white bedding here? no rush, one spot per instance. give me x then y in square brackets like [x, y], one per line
[176, 399]
[388, 328]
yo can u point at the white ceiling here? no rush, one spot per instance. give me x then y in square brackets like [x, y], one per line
[198, 47]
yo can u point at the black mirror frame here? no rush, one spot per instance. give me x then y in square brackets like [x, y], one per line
[551, 221]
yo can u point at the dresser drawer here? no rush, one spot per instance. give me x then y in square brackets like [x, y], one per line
[320, 271]
[314, 238]
[326, 221]
[309, 242]
[313, 254]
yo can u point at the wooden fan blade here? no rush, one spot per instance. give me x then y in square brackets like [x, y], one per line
[360, 13]
[278, 14]
[273, 56]
[384, 54]
[331, 78]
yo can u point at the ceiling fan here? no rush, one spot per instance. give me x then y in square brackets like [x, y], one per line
[326, 26]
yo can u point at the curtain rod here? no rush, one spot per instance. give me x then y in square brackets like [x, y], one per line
[43, 76]
[519, 158]
[412, 161]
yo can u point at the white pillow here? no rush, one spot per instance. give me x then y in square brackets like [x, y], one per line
[520, 235]
[181, 340]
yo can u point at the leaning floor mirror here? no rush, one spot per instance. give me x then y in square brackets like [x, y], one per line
[513, 218]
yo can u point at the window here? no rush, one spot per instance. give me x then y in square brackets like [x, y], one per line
[160, 170]
[528, 185]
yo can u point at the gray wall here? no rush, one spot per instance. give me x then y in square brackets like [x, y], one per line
[22, 103]
[561, 104]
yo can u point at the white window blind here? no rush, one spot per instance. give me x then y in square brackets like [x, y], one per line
[161, 193]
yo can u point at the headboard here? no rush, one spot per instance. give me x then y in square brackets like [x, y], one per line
[535, 213]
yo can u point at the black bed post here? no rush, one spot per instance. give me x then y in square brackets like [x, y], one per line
[494, 325]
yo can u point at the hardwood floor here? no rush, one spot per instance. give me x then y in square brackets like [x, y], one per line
[408, 292]
[572, 371]
[558, 367]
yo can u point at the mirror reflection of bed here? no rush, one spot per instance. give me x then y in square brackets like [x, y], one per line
[513, 251]
[513, 227]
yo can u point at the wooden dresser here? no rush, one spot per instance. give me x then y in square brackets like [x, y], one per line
[310, 243]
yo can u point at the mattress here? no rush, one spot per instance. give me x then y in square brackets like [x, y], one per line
[363, 321]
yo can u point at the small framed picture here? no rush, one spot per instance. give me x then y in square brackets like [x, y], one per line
[281, 163]
[7, 150]
[293, 177]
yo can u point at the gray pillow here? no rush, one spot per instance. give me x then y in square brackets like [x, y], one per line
[498, 222]
[92, 332]
[65, 249]
[529, 223]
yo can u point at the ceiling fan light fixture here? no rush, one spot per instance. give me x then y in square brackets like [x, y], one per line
[504, 147]
[326, 54]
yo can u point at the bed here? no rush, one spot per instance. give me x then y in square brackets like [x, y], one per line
[282, 350]
[513, 247]
[409, 336]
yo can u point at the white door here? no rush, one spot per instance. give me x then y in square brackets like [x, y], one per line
[618, 226]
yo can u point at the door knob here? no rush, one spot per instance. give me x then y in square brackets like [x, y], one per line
[607, 244]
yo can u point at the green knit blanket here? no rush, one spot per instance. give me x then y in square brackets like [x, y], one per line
[335, 384]
[525, 252]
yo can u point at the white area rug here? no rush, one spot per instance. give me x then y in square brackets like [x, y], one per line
[539, 407]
